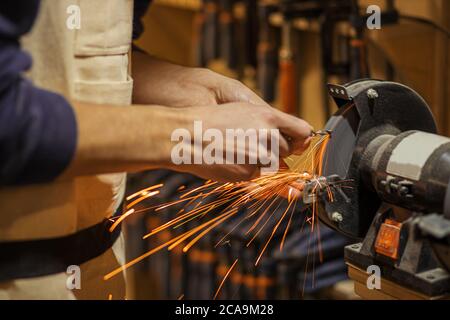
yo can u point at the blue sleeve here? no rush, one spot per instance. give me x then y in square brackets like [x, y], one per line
[38, 130]
[140, 8]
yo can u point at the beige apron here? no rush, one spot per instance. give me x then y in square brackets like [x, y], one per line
[88, 64]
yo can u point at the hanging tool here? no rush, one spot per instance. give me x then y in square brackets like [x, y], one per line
[359, 67]
[198, 38]
[267, 53]
[228, 50]
[211, 32]
[287, 78]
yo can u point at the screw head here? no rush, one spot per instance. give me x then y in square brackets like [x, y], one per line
[372, 94]
[337, 217]
[403, 191]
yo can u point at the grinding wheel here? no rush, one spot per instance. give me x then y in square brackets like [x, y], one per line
[367, 109]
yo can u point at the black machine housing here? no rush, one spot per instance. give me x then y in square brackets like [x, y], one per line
[384, 144]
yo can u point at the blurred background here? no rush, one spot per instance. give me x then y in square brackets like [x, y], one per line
[230, 37]
[287, 51]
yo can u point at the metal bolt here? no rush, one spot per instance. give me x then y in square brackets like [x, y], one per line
[403, 191]
[336, 217]
[372, 94]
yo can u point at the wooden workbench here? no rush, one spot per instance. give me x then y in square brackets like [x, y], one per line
[389, 290]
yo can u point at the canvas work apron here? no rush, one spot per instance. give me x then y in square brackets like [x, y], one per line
[89, 64]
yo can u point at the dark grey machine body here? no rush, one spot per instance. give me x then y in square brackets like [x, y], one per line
[384, 143]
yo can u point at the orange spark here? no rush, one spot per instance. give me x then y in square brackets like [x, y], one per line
[143, 191]
[263, 191]
[144, 196]
[225, 278]
[121, 218]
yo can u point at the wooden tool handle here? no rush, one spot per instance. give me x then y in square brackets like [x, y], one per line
[211, 30]
[227, 40]
[197, 39]
[288, 86]
[267, 70]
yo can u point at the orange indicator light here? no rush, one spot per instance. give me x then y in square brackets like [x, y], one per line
[388, 239]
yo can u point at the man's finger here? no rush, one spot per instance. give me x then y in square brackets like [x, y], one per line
[298, 147]
[296, 128]
[284, 147]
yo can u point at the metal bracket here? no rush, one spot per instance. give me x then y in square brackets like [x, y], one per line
[434, 225]
[339, 94]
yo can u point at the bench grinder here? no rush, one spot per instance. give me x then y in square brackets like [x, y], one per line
[384, 143]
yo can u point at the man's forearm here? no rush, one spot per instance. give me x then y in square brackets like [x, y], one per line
[154, 79]
[115, 138]
[163, 83]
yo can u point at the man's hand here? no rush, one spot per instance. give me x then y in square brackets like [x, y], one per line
[163, 83]
[294, 138]
[115, 139]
